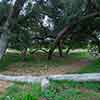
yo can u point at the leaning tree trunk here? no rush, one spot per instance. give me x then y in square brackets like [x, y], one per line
[60, 49]
[60, 35]
[8, 25]
[4, 34]
[3, 44]
[68, 29]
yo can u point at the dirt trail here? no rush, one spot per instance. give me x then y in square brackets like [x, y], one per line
[69, 68]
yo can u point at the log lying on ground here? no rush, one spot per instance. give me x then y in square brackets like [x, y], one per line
[90, 77]
[87, 77]
[27, 79]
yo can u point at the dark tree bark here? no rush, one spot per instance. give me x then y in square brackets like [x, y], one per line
[67, 51]
[60, 35]
[60, 49]
[69, 29]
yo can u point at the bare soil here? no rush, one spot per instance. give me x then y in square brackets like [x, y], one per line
[15, 70]
[46, 70]
[4, 85]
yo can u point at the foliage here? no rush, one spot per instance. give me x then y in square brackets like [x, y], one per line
[54, 13]
[20, 92]
[39, 60]
[4, 10]
[58, 90]
[70, 90]
[42, 18]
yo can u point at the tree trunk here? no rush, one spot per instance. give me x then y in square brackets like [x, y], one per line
[60, 49]
[24, 54]
[67, 51]
[68, 29]
[8, 25]
[3, 44]
[60, 35]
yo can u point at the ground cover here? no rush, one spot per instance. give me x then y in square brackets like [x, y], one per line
[37, 64]
[58, 90]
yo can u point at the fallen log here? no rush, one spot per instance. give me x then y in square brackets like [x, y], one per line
[87, 77]
[90, 77]
[27, 79]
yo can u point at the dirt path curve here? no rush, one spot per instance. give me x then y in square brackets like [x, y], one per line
[74, 67]
[37, 71]
[70, 68]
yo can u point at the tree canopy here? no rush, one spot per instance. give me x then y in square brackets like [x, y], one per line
[47, 18]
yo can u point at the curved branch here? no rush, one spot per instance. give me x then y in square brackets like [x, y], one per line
[69, 28]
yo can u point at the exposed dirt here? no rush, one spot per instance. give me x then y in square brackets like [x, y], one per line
[84, 90]
[45, 70]
[42, 99]
[4, 85]
[14, 70]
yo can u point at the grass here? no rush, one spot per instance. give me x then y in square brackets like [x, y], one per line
[40, 59]
[91, 68]
[58, 90]
[9, 59]
[22, 91]
[73, 91]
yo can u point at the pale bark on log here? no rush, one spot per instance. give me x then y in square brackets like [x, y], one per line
[87, 77]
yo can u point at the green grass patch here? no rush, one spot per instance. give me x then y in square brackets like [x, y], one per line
[72, 84]
[40, 60]
[58, 90]
[22, 91]
[69, 90]
[91, 68]
[9, 59]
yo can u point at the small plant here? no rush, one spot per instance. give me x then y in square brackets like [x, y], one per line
[23, 92]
